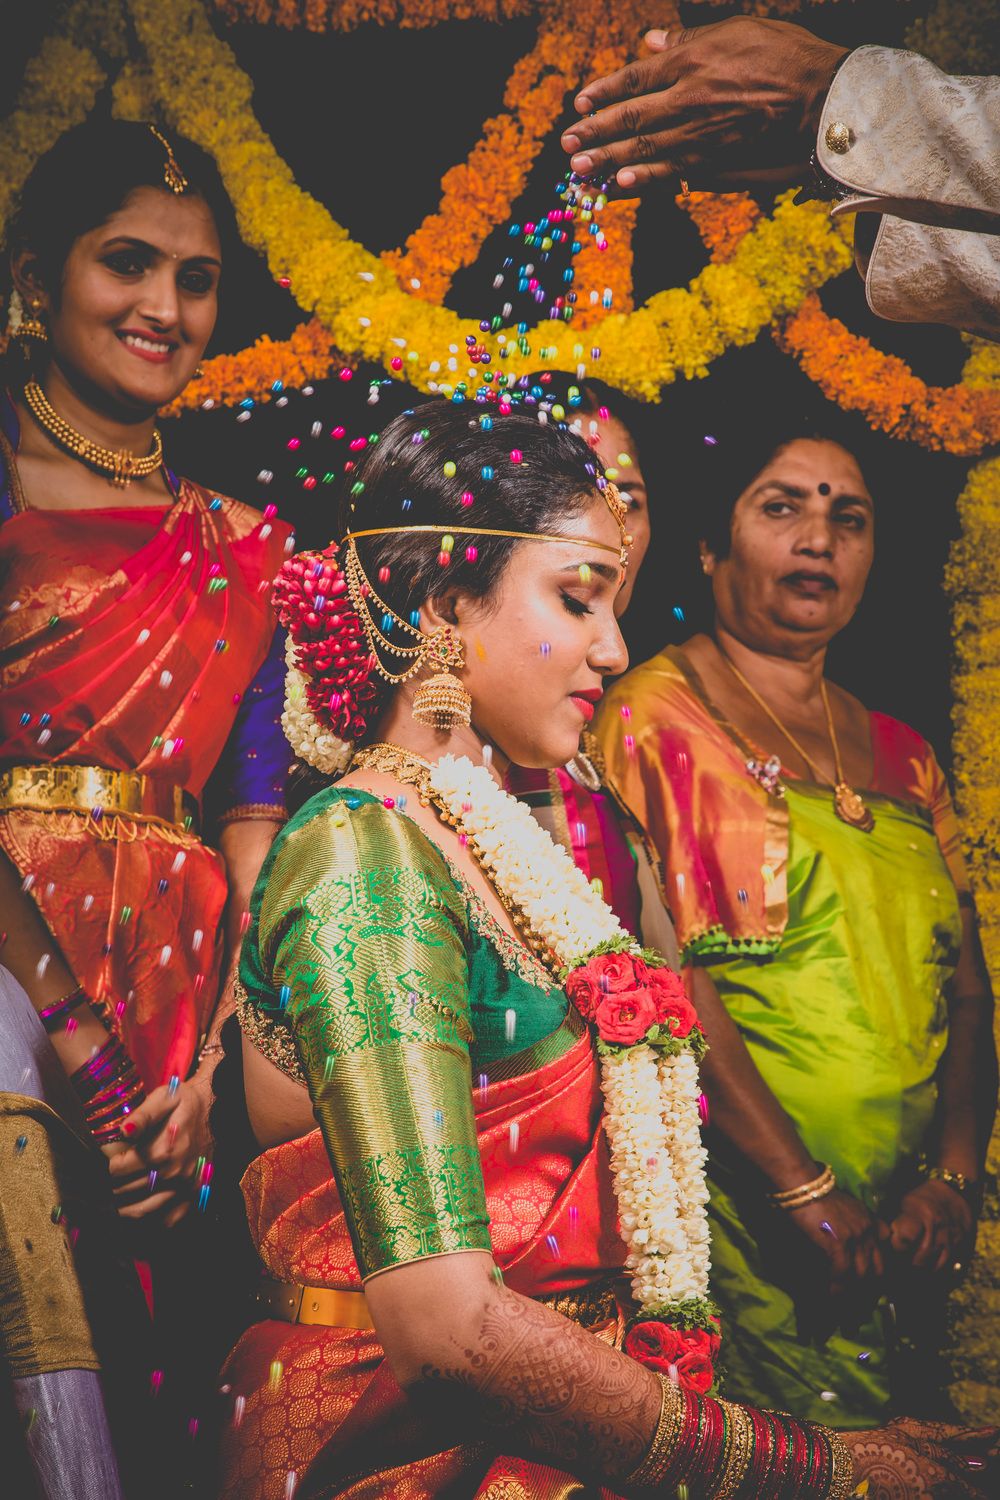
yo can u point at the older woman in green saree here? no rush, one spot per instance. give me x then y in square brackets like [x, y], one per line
[814, 873]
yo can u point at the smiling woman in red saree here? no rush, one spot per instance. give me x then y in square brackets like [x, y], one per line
[141, 694]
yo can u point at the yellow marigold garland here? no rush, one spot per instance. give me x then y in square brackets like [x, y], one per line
[972, 579]
[203, 91]
[678, 332]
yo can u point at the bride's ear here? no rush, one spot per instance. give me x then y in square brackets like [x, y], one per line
[447, 608]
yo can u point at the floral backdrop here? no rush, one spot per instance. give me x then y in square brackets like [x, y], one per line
[766, 272]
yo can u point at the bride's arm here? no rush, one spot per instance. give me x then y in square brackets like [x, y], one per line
[480, 1358]
[484, 1362]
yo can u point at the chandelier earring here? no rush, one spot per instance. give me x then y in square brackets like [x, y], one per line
[443, 700]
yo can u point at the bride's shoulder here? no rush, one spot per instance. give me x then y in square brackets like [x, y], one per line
[353, 827]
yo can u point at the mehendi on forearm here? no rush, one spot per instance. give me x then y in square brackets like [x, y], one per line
[557, 1392]
[535, 1385]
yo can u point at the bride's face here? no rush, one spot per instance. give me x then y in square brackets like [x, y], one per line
[538, 653]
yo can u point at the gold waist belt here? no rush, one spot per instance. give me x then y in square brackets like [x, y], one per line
[95, 790]
[289, 1303]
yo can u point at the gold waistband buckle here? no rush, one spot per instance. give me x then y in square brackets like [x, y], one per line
[96, 790]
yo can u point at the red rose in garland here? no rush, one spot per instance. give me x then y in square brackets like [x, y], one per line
[607, 974]
[684, 1355]
[625, 1016]
[673, 1007]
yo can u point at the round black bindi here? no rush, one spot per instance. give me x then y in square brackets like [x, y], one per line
[824, 488]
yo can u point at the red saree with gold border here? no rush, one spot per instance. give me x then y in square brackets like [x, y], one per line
[321, 1402]
[128, 637]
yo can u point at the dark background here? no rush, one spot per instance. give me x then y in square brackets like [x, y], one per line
[368, 122]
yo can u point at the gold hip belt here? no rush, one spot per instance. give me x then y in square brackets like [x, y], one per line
[96, 791]
[591, 1307]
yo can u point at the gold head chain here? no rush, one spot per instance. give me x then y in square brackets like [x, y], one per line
[441, 647]
[172, 174]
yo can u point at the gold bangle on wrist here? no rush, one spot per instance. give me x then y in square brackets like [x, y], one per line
[952, 1179]
[661, 1451]
[842, 1467]
[738, 1452]
[806, 1192]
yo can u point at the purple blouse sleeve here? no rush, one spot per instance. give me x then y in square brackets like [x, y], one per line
[249, 779]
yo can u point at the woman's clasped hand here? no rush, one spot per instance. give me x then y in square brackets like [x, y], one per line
[166, 1157]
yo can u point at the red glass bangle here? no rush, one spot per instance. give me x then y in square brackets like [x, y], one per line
[53, 1015]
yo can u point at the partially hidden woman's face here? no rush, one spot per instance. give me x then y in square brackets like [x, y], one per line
[138, 300]
[538, 653]
[801, 549]
[616, 448]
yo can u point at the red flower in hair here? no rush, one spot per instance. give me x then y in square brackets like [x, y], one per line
[311, 599]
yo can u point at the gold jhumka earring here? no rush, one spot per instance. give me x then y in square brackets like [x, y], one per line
[441, 701]
[30, 329]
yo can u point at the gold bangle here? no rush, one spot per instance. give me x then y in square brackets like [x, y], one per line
[661, 1450]
[842, 1481]
[739, 1449]
[806, 1192]
[210, 1047]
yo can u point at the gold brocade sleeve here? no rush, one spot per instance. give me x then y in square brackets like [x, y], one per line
[363, 935]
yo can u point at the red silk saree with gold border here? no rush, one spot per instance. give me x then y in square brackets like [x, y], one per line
[128, 639]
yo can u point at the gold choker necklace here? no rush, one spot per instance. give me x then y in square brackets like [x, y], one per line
[121, 465]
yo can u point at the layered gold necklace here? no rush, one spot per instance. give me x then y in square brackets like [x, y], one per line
[119, 464]
[848, 804]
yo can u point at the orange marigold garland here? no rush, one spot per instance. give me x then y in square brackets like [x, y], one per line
[480, 192]
[308, 355]
[345, 15]
[604, 266]
[962, 419]
[852, 372]
[576, 41]
[722, 219]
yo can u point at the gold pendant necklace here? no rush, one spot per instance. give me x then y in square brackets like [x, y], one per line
[118, 463]
[848, 804]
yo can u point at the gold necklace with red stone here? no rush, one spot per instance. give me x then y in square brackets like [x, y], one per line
[848, 804]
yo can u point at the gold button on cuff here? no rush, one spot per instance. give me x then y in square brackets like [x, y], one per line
[839, 137]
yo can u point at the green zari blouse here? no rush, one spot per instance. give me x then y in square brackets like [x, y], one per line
[373, 973]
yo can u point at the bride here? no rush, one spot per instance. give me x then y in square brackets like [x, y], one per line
[501, 1287]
